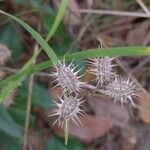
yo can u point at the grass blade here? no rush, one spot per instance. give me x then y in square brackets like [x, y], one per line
[13, 81]
[121, 51]
[115, 51]
[58, 18]
[36, 36]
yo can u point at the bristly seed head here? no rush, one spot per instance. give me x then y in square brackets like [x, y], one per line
[102, 68]
[122, 89]
[67, 77]
[68, 109]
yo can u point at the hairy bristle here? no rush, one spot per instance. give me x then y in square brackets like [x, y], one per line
[102, 68]
[67, 77]
[122, 89]
[68, 109]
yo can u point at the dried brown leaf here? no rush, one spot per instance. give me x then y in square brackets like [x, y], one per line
[138, 34]
[93, 127]
[144, 102]
[103, 107]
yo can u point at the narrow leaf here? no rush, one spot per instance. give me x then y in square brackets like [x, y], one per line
[58, 18]
[11, 85]
[36, 36]
[115, 51]
[7, 124]
[144, 51]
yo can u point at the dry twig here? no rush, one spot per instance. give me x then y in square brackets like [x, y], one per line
[143, 6]
[29, 99]
[114, 12]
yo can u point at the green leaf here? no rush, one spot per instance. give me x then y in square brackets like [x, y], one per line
[8, 125]
[35, 4]
[79, 56]
[14, 44]
[74, 144]
[52, 142]
[47, 21]
[47, 9]
[21, 2]
[123, 51]
[58, 18]
[115, 51]
[21, 76]
[18, 115]
[36, 36]
[62, 41]
[40, 96]
[12, 84]
[136, 51]
[8, 142]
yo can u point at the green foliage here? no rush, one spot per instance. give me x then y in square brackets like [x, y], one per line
[20, 2]
[115, 51]
[14, 43]
[40, 96]
[13, 84]
[12, 120]
[62, 41]
[8, 125]
[58, 144]
[10, 132]
[6, 90]
[35, 4]
[15, 117]
[36, 36]
[18, 114]
[58, 19]
[8, 142]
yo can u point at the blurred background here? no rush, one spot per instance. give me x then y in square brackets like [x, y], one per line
[107, 126]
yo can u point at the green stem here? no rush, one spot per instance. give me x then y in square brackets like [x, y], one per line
[66, 132]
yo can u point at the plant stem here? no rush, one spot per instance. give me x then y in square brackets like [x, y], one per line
[28, 109]
[29, 99]
[113, 12]
[66, 132]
